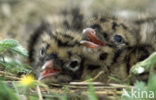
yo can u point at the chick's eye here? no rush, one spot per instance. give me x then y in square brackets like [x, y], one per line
[118, 39]
[73, 64]
[42, 51]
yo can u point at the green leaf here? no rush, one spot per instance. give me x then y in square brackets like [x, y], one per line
[115, 79]
[34, 98]
[6, 93]
[145, 65]
[15, 88]
[4, 64]
[8, 43]
[13, 65]
[13, 46]
[140, 86]
[91, 92]
[20, 50]
[151, 83]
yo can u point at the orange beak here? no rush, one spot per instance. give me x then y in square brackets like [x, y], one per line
[89, 44]
[93, 42]
[48, 70]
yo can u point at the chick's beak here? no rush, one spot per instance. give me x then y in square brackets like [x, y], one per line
[48, 70]
[93, 42]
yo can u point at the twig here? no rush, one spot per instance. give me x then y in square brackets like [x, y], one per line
[94, 78]
[11, 77]
[86, 83]
[39, 93]
[4, 73]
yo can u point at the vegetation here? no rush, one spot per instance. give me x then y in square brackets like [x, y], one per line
[8, 58]
[11, 66]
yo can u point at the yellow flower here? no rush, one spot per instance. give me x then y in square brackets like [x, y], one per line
[27, 80]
